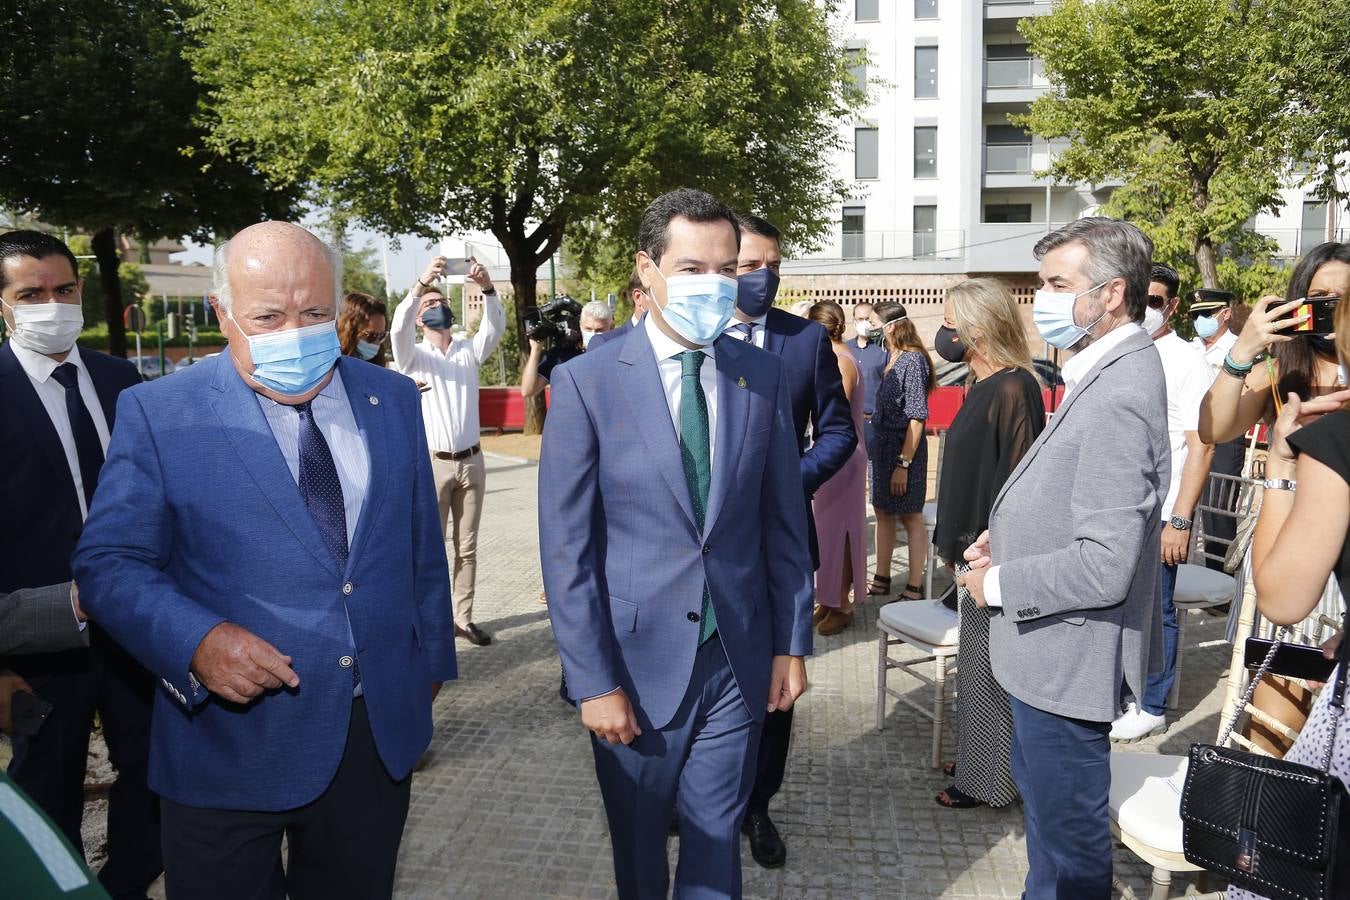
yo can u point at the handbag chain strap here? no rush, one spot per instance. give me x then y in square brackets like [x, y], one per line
[1251, 686]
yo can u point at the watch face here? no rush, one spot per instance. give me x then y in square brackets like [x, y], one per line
[1180, 524]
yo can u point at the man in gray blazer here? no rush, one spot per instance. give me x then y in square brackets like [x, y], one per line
[36, 620]
[1072, 552]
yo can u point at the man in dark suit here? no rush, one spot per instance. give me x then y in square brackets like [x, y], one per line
[818, 406]
[57, 405]
[668, 479]
[297, 612]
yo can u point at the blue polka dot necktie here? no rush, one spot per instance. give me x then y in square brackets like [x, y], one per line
[696, 454]
[320, 487]
[88, 448]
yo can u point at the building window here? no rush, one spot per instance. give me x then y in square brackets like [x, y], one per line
[857, 64]
[1006, 213]
[925, 9]
[1314, 226]
[925, 151]
[854, 232]
[925, 230]
[925, 71]
[867, 10]
[866, 152]
[1007, 149]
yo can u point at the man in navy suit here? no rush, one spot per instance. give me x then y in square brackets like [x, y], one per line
[267, 542]
[819, 408]
[57, 403]
[674, 550]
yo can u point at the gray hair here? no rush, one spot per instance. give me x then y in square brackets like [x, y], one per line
[598, 309]
[1116, 249]
[220, 277]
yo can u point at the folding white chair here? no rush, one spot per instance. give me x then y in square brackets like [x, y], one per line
[930, 628]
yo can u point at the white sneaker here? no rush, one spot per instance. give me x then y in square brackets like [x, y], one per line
[1137, 724]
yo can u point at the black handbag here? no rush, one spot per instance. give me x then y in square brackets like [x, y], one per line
[1276, 828]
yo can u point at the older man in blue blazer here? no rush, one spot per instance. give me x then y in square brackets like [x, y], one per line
[674, 549]
[266, 541]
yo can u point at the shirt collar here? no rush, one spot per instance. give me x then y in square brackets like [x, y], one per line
[664, 346]
[332, 393]
[1083, 361]
[39, 366]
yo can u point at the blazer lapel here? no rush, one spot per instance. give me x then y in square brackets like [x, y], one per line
[646, 396]
[733, 407]
[242, 420]
[19, 390]
[371, 419]
[773, 340]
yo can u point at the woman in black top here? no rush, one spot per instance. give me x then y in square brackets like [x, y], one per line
[1002, 415]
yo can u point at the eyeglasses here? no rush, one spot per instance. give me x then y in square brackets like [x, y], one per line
[1157, 302]
[375, 337]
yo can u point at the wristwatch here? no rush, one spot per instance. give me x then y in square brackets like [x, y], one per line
[1280, 484]
[903, 463]
[1180, 524]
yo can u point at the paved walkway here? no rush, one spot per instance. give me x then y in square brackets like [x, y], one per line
[508, 806]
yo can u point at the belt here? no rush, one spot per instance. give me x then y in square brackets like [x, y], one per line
[458, 454]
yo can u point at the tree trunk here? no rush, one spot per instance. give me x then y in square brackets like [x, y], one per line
[524, 286]
[1208, 261]
[104, 244]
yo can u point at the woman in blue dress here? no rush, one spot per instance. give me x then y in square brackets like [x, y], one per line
[899, 450]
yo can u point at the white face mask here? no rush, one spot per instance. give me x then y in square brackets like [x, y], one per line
[1153, 320]
[47, 328]
[586, 335]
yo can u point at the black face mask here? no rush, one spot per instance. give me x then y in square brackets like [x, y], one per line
[1322, 344]
[948, 345]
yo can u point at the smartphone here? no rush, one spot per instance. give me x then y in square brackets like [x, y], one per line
[1291, 660]
[1321, 313]
[28, 713]
[457, 267]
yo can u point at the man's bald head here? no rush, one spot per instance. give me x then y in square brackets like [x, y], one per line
[267, 249]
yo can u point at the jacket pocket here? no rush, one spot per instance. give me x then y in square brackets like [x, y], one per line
[623, 614]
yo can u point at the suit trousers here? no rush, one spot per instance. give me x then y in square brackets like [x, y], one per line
[705, 758]
[1062, 767]
[772, 762]
[343, 844]
[460, 485]
[50, 766]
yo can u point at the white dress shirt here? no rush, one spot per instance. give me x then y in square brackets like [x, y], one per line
[39, 369]
[1075, 370]
[667, 352]
[1188, 380]
[756, 338]
[1214, 355]
[332, 412]
[450, 406]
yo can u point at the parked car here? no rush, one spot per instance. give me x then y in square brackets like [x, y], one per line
[149, 366]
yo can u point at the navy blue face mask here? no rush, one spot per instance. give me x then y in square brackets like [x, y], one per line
[755, 291]
[438, 318]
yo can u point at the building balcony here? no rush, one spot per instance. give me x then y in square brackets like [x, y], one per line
[1017, 165]
[884, 252]
[1011, 83]
[1003, 15]
[1291, 243]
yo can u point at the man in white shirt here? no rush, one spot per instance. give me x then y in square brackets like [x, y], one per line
[1188, 379]
[1211, 312]
[448, 367]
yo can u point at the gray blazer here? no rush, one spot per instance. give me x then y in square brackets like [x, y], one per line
[1076, 532]
[39, 620]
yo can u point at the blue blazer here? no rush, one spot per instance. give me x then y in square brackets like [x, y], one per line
[42, 515]
[605, 337]
[624, 562]
[197, 521]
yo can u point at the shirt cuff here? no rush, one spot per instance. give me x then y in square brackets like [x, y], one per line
[993, 593]
[605, 694]
[81, 625]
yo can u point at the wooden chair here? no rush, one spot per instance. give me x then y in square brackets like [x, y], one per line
[930, 628]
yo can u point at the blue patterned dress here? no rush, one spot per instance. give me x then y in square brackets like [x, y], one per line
[901, 396]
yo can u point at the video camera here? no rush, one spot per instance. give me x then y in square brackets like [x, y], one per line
[557, 322]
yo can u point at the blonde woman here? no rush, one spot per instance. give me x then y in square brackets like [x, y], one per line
[899, 450]
[1002, 415]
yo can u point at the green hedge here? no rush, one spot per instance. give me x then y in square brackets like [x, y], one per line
[97, 338]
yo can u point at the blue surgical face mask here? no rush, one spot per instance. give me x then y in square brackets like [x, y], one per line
[293, 361]
[1206, 326]
[698, 307]
[366, 350]
[1052, 312]
[438, 318]
[755, 291]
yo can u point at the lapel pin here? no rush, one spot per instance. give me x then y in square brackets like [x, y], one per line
[740, 382]
[374, 401]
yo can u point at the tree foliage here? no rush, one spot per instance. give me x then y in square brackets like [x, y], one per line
[1200, 106]
[528, 118]
[99, 132]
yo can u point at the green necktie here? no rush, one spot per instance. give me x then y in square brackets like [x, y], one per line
[696, 455]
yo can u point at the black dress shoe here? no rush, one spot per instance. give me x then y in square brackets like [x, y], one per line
[765, 845]
[474, 635]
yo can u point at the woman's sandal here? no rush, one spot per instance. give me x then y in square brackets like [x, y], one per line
[880, 586]
[955, 799]
[949, 769]
[912, 592]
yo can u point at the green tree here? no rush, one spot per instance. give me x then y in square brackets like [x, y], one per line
[99, 133]
[527, 118]
[1199, 106]
[94, 299]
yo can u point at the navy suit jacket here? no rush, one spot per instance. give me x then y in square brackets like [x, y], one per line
[198, 521]
[625, 563]
[605, 337]
[41, 524]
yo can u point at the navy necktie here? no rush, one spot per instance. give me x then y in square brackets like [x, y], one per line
[88, 448]
[320, 487]
[747, 329]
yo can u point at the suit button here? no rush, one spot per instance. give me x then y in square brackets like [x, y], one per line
[347, 589]
[345, 662]
[707, 548]
[692, 617]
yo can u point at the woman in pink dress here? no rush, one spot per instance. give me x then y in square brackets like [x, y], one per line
[840, 503]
